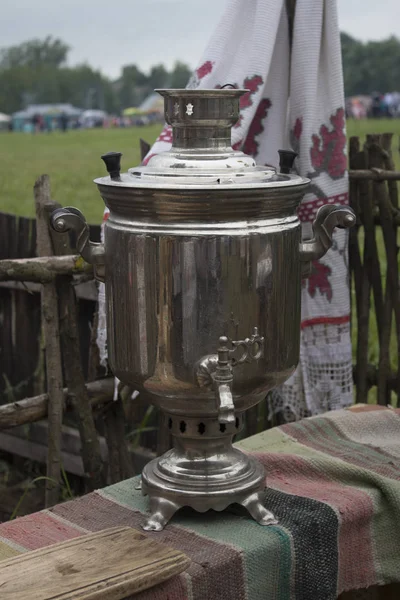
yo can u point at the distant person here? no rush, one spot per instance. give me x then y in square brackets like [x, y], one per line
[36, 123]
[376, 105]
[63, 122]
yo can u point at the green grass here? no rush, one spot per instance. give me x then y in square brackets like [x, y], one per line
[72, 161]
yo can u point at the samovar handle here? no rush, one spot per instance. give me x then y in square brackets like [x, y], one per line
[328, 217]
[71, 219]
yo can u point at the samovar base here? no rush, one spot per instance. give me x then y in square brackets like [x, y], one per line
[203, 474]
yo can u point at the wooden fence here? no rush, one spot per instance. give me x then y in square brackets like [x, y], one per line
[22, 371]
[374, 266]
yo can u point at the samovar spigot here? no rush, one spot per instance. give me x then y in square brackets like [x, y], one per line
[215, 371]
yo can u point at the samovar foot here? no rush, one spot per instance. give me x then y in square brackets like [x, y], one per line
[253, 503]
[161, 511]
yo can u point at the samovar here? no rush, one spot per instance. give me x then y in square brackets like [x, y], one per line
[202, 263]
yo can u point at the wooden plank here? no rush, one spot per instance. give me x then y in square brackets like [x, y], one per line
[84, 291]
[34, 447]
[35, 408]
[38, 452]
[375, 175]
[77, 569]
[43, 269]
[6, 347]
[70, 440]
[27, 340]
[24, 235]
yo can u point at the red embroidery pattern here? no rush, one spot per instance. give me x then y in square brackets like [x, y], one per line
[204, 69]
[252, 84]
[250, 145]
[298, 128]
[146, 160]
[318, 280]
[308, 210]
[325, 321]
[295, 135]
[328, 151]
[166, 135]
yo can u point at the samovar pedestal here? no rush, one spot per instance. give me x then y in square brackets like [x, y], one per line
[203, 471]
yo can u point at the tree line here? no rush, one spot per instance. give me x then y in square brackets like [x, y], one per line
[36, 71]
[370, 67]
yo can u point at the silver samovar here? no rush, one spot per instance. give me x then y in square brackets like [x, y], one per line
[202, 263]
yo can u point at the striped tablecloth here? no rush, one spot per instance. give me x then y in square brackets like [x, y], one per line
[333, 482]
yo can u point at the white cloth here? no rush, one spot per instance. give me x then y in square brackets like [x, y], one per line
[295, 99]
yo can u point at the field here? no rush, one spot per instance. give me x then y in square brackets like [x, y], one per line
[73, 160]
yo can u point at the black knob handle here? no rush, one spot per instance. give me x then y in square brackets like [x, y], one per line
[286, 160]
[113, 163]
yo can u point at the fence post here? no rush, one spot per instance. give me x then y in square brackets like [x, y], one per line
[359, 201]
[71, 354]
[50, 324]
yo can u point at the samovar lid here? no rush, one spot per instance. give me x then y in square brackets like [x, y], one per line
[201, 154]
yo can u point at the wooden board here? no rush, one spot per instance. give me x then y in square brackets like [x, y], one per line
[35, 448]
[109, 565]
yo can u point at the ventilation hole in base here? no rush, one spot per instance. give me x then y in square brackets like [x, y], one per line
[201, 428]
[182, 426]
[222, 427]
[237, 423]
[170, 423]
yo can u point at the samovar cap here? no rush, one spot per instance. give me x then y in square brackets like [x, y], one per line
[217, 108]
[201, 155]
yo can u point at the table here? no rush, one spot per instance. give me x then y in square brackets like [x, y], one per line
[333, 482]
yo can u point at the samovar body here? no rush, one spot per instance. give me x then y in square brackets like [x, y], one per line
[181, 287]
[202, 263]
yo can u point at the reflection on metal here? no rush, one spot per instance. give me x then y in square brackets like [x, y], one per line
[203, 263]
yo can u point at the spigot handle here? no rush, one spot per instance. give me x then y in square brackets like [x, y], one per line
[71, 219]
[328, 217]
[223, 380]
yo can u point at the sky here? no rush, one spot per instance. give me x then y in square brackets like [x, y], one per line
[109, 34]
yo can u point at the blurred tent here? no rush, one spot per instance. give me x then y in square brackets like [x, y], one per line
[49, 112]
[132, 112]
[153, 104]
[4, 121]
[93, 118]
